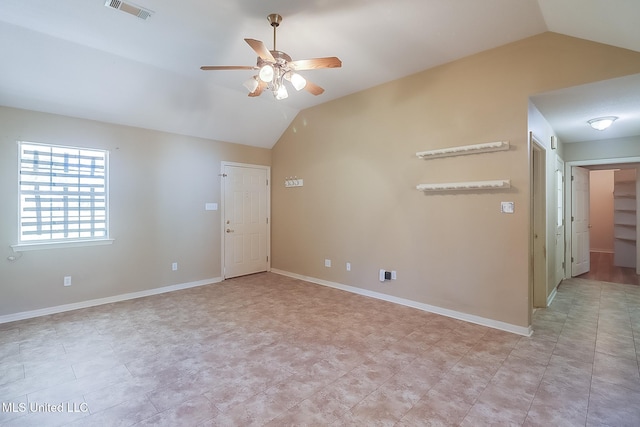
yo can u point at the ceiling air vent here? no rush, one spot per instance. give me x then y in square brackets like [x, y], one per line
[130, 8]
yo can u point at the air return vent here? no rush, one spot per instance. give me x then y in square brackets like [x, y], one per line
[130, 8]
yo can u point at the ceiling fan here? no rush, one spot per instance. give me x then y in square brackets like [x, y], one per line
[274, 67]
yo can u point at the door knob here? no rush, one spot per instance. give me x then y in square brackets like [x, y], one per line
[229, 230]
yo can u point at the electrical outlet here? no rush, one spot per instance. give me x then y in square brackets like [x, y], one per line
[327, 263]
[393, 275]
[348, 266]
[174, 266]
[67, 281]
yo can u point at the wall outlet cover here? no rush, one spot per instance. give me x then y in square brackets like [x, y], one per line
[507, 207]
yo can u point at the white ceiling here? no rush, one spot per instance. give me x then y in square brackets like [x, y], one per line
[568, 110]
[82, 59]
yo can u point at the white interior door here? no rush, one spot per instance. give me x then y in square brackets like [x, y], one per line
[246, 219]
[580, 261]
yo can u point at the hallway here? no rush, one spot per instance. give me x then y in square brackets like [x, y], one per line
[594, 328]
[602, 269]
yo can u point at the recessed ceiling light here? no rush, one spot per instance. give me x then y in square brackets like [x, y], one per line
[601, 123]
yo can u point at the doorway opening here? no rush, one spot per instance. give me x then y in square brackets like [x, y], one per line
[613, 248]
[538, 268]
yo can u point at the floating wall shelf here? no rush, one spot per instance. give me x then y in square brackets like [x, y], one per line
[487, 147]
[466, 186]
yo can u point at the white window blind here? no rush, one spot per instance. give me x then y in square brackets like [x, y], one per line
[63, 193]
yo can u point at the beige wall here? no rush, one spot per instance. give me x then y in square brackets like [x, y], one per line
[601, 210]
[359, 203]
[159, 183]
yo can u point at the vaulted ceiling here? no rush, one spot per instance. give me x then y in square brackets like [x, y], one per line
[82, 59]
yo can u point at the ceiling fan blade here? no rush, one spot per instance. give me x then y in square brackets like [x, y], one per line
[313, 64]
[227, 67]
[261, 86]
[260, 49]
[313, 88]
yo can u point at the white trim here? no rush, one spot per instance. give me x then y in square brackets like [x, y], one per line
[495, 324]
[23, 247]
[62, 243]
[108, 300]
[551, 296]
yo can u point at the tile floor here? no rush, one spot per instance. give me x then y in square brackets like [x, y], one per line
[271, 350]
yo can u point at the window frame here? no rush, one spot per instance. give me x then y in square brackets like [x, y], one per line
[65, 242]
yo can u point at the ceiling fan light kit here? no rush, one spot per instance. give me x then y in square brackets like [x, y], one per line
[274, 67]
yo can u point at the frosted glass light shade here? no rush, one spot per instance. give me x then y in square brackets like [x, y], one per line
[282, 93]
[602, 123]
[298, 81]
[251, 84]
[266, 73]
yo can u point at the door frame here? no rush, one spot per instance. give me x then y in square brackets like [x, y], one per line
[560, 270]
[222, 175]
[538, 276]
[568, 231]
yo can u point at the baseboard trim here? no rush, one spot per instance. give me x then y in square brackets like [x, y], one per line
[495, 324]
[551, 296]
[107, 300]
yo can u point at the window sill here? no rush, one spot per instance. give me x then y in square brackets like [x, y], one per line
[23, 247]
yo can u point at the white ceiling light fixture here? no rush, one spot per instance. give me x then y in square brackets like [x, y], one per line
[266, 73]
[602, 123]
[296, 80]
[251, 84]
[274, 67]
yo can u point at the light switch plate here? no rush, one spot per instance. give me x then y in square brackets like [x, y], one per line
[210, 206]
[507, 207]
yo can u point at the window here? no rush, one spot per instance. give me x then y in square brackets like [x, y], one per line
[560, 193]
[63, 194]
